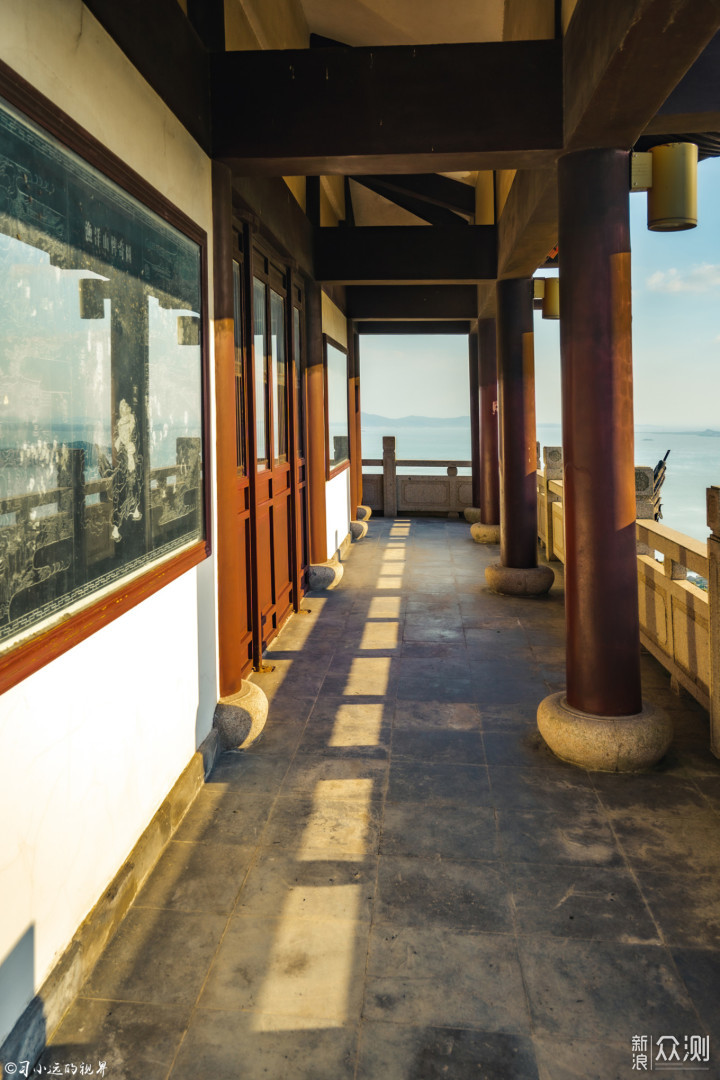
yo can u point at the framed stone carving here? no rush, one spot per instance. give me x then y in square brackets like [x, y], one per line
[101, 383]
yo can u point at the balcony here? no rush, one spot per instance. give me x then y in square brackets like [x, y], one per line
[398, 879]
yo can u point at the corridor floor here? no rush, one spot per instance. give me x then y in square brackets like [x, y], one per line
[399, 882]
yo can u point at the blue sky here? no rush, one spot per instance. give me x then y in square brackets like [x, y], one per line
[676, 335]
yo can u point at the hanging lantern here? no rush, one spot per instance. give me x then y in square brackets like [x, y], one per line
[551, 299]
[672, 199]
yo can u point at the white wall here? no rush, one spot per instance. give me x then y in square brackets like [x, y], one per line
[92, 743]
[337, 509]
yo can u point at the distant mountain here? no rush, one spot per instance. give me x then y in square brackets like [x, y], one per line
[389, 422]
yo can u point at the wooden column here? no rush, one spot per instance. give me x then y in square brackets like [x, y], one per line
[601, 721]
[352, 425]
[231, 574]
[516, 398]
[358, 420]
[315, 399]
[601, 597]
[490, 483]
[475, 455]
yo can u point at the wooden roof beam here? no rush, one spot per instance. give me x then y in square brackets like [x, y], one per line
[410, 109]
[623, 59]
[430, 188]
[409, 302]
[434, 215]
[406, 254]
[694, 104]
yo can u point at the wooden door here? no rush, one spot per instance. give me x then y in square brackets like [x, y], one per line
[273, 472]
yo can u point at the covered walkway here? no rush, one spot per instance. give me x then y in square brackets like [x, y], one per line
[398, 881]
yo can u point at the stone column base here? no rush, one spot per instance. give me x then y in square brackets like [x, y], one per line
[485, 534]
[364, 513]
[239, 719]
[472, 514]
[358, 529]
[604, 743]
[519, 581]
[325, 575]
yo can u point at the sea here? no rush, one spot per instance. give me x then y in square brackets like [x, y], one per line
[693, 463]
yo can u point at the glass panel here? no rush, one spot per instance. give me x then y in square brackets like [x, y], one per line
[239, 388]
[277, 330]
[337, 391]
[261, 374]
[100, 382]
[297, 347]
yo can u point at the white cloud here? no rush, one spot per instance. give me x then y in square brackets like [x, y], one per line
[696, 279]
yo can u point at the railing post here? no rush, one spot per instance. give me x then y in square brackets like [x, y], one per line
[389, 477]
[713, 550]
[552, 470]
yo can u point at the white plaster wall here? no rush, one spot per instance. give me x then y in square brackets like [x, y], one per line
[91, 744]
[337, 509]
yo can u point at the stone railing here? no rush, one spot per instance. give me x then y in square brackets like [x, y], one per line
[390, 492]
[678, 587]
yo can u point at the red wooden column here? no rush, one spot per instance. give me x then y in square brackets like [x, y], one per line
[315, 397]
[358, 526]
[517, 573]
[489, 425]
[601, 722]
[473, 514]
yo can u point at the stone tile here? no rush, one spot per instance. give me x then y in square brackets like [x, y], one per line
[392, 1052]
[324, 889]
[685, 907]
[683, 840]
[648, 791]
[431, 650]
[358, 730]
[598, 991]
[279, 740]
[520, 716]
[445, 978]
[557, 790]
[583, 837]
[439, 832]
[460, 747]
[197, 877]
[597, 903]
[134, 1040]
[437, 688]
[433, 631]
[700, 971]
[309, 970]
[523, 747]
[709, 788]
[220, 814]
[573, 1060]
[424, 782]
[464, 896]
[229, 1046]
[325, 828]
[248, 773]
[158, 957]
[336, 775]
[434, 714]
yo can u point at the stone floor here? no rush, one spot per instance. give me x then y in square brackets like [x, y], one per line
[399, 882]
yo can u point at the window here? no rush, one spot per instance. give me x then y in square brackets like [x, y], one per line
[239, 387]
[261, 374]
[101, 392]
[336, 396]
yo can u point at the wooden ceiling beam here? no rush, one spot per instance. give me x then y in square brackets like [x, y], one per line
[410, 109]
[434, 215]
[694, 104]
[623, 59]
[406, 254]
[409, 302]
[431, 188]
[389, 327]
